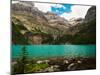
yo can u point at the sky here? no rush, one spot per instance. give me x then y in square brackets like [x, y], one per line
[68, 11]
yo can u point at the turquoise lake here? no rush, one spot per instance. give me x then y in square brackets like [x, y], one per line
[55, 50]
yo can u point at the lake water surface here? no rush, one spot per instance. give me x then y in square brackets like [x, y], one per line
[55, 50]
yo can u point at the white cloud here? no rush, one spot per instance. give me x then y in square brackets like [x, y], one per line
[77, 11]
[59, 6]
[44, 6]
[47, 6]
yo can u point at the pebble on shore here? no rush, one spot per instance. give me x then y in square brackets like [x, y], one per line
[39, 62]
[66, 61]
[79, 61]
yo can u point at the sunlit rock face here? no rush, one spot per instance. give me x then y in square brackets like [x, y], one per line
[57, 21]
[76, 21]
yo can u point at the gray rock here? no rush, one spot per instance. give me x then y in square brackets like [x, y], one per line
[72, 66]
[79, 61]
[39, 62]
[66, 61]
[49, 69]
[91, 14]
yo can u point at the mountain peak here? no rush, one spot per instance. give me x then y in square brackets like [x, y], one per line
[28, 3]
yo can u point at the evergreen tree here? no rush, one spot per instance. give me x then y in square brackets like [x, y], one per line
[24, 59]
[20, 67]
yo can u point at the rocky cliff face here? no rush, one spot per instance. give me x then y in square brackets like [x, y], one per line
[86, 31]
[90, 20]
[32, 17]
[91, 14]
[57, 21]
[29, 21]
[76, 21]
[36, 22]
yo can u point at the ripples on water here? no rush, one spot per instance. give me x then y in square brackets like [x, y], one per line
[55, 50]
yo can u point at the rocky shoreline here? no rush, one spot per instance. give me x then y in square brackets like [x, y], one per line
[58, 64]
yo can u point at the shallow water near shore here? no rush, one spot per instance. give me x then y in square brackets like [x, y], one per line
[55, 50]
